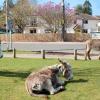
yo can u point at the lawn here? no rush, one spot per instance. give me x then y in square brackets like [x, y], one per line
[85, 85]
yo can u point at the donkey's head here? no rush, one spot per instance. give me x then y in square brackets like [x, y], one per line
[65, 69]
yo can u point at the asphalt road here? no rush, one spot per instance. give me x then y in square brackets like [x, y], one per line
[49, 46]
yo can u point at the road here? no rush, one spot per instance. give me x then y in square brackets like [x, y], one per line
[51, 46]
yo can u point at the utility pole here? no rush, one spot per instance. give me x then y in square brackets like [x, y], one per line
[63, 21]
[6, 1]
[8, 27]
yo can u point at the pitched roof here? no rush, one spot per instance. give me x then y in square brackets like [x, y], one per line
[86, 16]
[98, 17]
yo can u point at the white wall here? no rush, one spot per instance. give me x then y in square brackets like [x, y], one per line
[70, 30]
[91, 26]
[79, 22]
[40, 30]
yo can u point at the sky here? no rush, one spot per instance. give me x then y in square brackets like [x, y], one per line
[73, 3]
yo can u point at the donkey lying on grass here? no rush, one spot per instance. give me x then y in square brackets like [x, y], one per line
[47, 79]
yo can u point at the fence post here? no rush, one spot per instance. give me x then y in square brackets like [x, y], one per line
[1, 54]
[0, 47]
[14, 53]
[99, 56]
[43, 53]
[75, 54]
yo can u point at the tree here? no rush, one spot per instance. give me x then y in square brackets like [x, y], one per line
[0, 10]
[10, 4]
[52, 14]
[3, 12]
[87, 7]
[2, 19]
[79, 8]
[21, 11]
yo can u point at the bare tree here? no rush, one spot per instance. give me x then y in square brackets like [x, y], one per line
[21, 11]
[69, 17]
[52, 14]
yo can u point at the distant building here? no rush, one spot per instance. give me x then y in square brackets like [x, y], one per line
[83, 23]
[35, 25]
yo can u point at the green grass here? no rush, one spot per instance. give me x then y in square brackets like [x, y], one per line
[85, 85]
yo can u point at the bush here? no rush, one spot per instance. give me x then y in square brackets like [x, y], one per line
[51, 37]
[47, 37]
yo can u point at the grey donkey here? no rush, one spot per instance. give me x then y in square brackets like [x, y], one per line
[48, 79]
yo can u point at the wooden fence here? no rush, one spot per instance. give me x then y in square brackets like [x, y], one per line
[44, 47]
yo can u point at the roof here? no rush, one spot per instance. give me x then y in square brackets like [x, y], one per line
[98, 17]
[86, 16]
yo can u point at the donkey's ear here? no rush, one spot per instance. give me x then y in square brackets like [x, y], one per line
[60, 61]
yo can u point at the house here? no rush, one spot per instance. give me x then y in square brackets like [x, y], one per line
[85, 23]
[98, 24]
[35, 25]
[82, 23]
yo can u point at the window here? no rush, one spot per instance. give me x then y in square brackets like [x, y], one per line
[85, 21]
[33, 31]
[84, 31]
[75, 22]
[33, 23]
[99, 29]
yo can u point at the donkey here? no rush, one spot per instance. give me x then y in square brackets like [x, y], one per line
[89, 46]
[48, 79]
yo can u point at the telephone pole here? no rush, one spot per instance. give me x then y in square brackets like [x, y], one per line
[63, 21]
[8, 26]
[6, 1]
